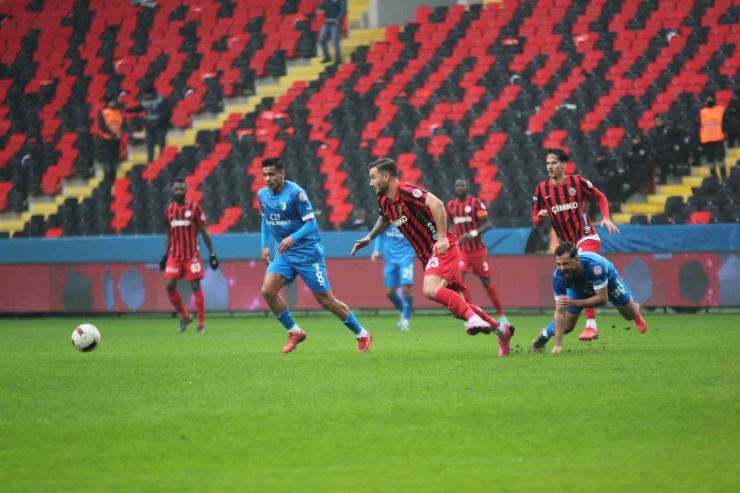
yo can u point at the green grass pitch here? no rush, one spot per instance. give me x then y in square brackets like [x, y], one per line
[432, 410]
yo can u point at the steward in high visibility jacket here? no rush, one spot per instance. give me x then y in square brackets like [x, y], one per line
[110, 130]
[110, 121]
[712, 135]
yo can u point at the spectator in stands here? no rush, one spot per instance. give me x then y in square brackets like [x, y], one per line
[359, 220]
[157, 119]
[666, 146]
[732, 120]
[609, 179]
[110, 126]
[334, 11]
[711, 134]
[638, 173]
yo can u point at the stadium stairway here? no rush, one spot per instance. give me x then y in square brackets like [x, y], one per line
[677, 202]
[301, 70]
[298, 73]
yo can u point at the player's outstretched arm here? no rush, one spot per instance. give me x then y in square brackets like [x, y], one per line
[609, 225]
[380, 225]
[560, 319]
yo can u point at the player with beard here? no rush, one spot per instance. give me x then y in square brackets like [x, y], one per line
[563, 198]
[185, 221]
[586, 280]
[421, 218]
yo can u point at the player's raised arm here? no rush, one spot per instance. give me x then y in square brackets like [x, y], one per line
[380, 225]
[440, 219]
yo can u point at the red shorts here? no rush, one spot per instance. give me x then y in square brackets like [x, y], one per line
[475, 262]
[447, 267]
[191, 269]
[593, 246]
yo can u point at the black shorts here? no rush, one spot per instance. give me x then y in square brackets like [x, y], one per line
[714, 151]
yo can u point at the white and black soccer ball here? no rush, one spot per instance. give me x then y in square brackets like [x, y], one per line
[86, 338]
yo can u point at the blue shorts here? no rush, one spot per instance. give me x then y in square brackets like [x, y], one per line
[617, 291]
[395, 275]
[314, 274]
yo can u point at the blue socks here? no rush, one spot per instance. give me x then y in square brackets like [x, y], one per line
[408, 307]
[352, 324]
[550, 330]
[286, 319]
[397, 302]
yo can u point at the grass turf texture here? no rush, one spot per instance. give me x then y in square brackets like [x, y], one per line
[431, 410]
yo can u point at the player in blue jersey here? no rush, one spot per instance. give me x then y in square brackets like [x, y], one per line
[585, 280]
[287, 216]
[398, 271]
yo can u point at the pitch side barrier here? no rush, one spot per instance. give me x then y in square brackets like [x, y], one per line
[664, 266]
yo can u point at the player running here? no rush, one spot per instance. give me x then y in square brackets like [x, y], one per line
[585, 280]
[421, 218]
[181, 259]
[288, 216]
[470, 219]
[397, 272]
[563, 198]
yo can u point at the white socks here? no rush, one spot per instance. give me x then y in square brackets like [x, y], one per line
[363, 333]
[591, 324]
[295, 329]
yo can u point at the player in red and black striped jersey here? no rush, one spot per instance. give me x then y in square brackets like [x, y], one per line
[421, 218]
[185, 221]
[469, 217]
[563, 198]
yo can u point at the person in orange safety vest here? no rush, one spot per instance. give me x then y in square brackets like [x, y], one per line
[110, 130]
[712, 135]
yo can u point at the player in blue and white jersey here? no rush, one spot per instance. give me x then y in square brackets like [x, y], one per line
[287, 216]
[585, 280]
[398, 271]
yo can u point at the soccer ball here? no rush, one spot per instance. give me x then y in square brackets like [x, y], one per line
[85, 338]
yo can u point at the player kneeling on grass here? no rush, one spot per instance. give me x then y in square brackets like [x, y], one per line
[585, 280]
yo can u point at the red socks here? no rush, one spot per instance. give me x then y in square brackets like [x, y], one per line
[454, 303]
[468, 295]
[590, 313]
[200, 306]
[479, 311]
[177, 302]
[493, 296]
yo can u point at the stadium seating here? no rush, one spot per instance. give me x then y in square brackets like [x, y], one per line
[61, 58]
[476, 92]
